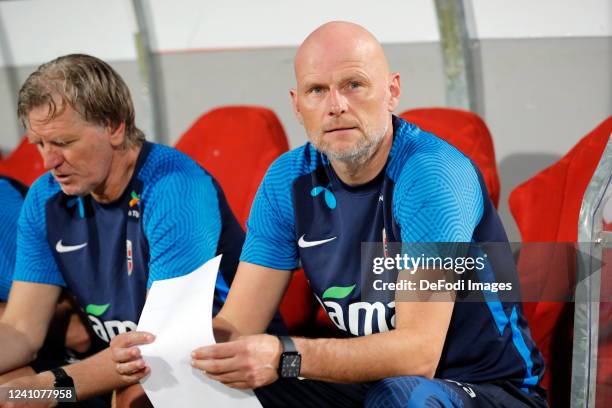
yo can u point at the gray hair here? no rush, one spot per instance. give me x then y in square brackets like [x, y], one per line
[89, 86]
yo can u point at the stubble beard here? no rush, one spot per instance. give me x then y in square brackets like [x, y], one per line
[358, 154]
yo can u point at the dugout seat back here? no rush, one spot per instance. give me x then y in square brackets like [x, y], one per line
[546, 209]
[24, 163]
[468, 133]
[237, 144]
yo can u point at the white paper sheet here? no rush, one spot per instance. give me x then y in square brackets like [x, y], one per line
[179, 313]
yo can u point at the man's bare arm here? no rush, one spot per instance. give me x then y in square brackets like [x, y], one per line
[413, 348]
[24, 323]
[252, 301]
[93, 376]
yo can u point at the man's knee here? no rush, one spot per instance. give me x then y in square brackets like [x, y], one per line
[411, 391]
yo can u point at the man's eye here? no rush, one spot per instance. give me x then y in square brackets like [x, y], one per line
[316, 90]
[62, 143]
[354, 85]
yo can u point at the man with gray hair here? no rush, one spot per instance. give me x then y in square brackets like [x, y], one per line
[113, 214]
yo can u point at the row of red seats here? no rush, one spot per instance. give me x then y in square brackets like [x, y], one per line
[545, 207]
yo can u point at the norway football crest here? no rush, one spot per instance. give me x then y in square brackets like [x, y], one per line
[130, 258]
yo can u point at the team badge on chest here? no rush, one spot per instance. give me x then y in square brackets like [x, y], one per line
[130, 257]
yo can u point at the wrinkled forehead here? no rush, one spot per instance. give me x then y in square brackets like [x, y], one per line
[328, 57]
[43, 122]
[46, 112]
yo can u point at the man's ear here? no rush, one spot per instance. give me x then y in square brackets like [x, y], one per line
[117, 134]
[294, 104]
[394, 90]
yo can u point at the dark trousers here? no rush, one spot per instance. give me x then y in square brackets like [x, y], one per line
[405, 392]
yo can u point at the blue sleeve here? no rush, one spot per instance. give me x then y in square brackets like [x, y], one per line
[438, 198]
[182, 223]
[10, 205]
[34, 260]
[270, 239]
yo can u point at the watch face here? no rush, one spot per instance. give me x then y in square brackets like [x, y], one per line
[290, 365]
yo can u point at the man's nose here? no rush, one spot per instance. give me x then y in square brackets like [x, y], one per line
[337, 103]
[51, 157]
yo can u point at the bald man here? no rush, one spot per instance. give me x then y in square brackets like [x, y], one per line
[364, 176]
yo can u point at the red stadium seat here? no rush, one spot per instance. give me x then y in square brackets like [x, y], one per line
[468, 133]
[546, 209]
[236, 145]
[24, 163]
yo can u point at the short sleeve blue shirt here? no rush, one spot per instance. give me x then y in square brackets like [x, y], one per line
[428, 192]
[171, 218]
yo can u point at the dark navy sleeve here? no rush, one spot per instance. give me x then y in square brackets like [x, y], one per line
[34, 260]
[438, 198]
[10, 205]
[270, 239]
[182, 223]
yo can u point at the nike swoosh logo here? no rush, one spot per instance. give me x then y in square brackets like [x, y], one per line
[307, 244]
[61, 248]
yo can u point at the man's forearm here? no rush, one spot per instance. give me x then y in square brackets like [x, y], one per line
[16, 350]
[93, 376]
[224, 330]
[367, 358]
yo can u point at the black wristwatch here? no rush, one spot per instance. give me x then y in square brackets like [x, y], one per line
[290, 360]
[62, 379]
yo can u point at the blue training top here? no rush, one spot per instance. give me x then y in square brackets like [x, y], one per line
[11, 199]
[427, 192]
[171, 218]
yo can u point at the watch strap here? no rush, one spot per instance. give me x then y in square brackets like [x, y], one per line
[290, 361]
[62, 379]
[288, 344]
